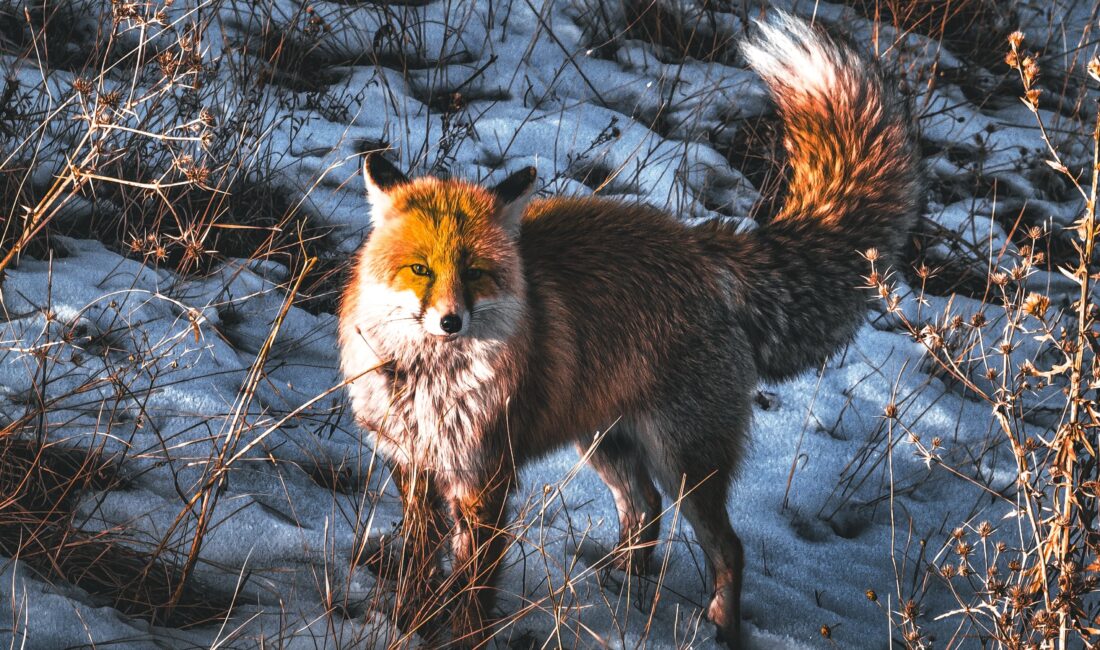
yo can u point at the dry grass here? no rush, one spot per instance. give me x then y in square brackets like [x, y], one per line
[41, 483]
[1031, 580]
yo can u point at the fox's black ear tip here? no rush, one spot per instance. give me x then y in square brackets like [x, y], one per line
[516, 185]
[374, 160]
[380, 171]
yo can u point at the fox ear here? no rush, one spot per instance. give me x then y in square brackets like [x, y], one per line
[513, 193]
[380, 176]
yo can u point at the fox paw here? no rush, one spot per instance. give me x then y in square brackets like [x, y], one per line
[726, 620]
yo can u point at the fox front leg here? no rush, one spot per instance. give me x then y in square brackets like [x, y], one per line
[479, 542]
[423, 531]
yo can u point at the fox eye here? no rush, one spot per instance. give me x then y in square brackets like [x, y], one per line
[472, 274]
[420, 269]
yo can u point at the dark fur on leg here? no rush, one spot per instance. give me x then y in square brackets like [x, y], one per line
[479, 543]
[636, 499]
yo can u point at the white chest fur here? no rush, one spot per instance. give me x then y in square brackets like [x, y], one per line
[435, 410]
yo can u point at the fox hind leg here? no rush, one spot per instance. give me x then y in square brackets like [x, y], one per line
[704, 506]
[696, 471]
[636, 498]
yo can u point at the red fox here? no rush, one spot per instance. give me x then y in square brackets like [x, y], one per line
[482, 329]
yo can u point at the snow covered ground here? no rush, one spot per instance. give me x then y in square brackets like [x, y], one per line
[177, 377]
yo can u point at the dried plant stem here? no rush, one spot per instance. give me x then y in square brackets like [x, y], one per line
[1073, 434]
[63, 187]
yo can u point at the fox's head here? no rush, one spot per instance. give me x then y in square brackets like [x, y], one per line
[442, 262]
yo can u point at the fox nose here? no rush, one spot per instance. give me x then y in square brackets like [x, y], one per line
[450, 323]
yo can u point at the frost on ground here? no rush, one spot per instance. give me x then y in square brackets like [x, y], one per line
[215, 397]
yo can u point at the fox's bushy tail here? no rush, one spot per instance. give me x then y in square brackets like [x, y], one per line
[854, 185]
